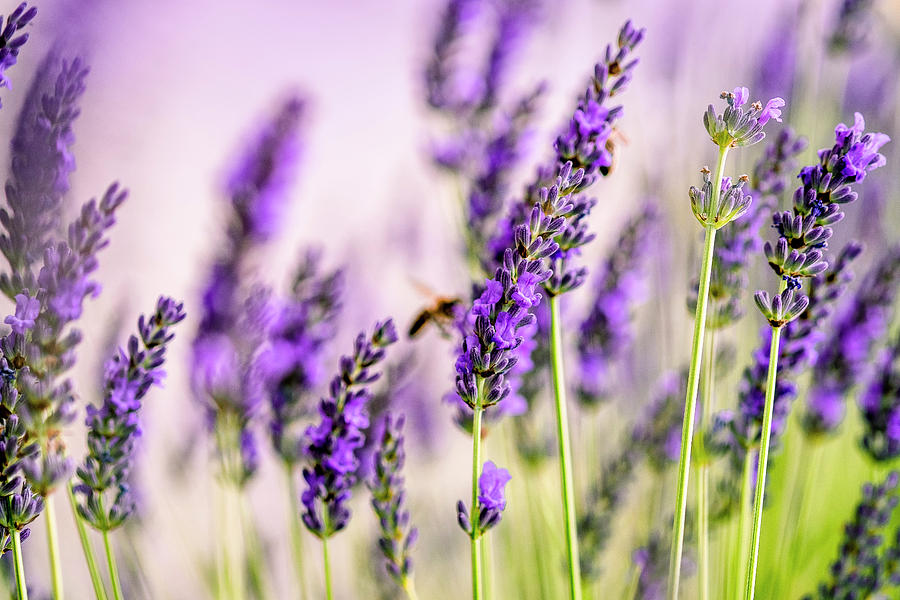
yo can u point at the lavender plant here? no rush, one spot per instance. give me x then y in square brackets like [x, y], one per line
[331, 446]
[860, 569]
[389, 502]
[880, 407]
[817, 204]
[107, 500]
[715, 204]
[606, 334]
[236, 316]
[17, 20]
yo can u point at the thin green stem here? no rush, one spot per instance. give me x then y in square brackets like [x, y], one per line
[327, 569]
[21, 586]
[708, 376]
[476, 465]
[53, 547]
[690, 406]
[296, 531]
[87, 550]
[740, 568]
[761, 465]
[565, 449]
[690, 400]
[113, 570]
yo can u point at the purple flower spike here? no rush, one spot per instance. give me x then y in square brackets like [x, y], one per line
[332, 445]
[106, 498]
[9, 52]
[880, 407]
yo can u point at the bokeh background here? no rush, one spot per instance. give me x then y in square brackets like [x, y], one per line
[176, 87]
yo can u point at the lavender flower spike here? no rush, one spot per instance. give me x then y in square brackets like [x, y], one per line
[389, 502]
[292, 364]
[332, 445]
[39, 173]
[859, 571]
[880, 407]
[10, 44]
[113, 429]
[844, 356]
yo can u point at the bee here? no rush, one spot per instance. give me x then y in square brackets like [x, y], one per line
[615, 137]
[441, 312]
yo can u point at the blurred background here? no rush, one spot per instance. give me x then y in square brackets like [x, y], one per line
[176, 89]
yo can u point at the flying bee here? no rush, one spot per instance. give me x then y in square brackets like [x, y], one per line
[615, 137]
[440, 312]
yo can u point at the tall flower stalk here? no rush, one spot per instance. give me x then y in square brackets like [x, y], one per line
[715, 204]
[106, 498]
[235, 321]
[817, 205]
[333, 444]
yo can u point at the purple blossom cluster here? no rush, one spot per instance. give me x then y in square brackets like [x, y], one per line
[292, 364]
[800, 340]
[40, 167]
[19, 504]
[606, 333]
[113, 428]
[863, 566]
[880, 407]
[332, 445]
[389, 501]
[236, 316]
[741, 240]
[841, 363]
[491, 501]
[10, 43]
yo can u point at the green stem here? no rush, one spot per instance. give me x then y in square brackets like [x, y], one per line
[21, 587]
[744, 523]
[763, 461]
[327, 569]
[708, 375]
[565, 450]
[257, 566]
[476, 465]
[296, 532]
[53, 547]
[96, 581]
[690, 400]
[690, 406]
[111, 562]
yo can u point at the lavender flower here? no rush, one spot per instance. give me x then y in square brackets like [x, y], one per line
[389, 502]
[606, 333]
[113, 429]
[10, 44]
[859, 570]
[236, 317]
[19, 505]
[738, 242]
[739, 126]
[292, 365]
[587, 143]
[844, 356]
[39, 174]
[880, 407]
[800, 340]
[332, 444]
[491, 501]
[456, 18]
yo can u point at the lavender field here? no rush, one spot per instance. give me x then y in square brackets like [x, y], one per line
[440, 299]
